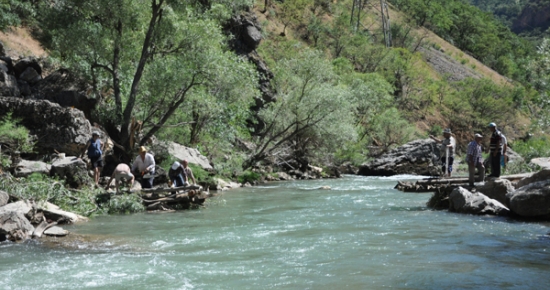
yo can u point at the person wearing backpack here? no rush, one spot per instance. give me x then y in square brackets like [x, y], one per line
[94, 146]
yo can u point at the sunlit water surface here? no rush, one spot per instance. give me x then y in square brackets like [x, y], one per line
[361, 234]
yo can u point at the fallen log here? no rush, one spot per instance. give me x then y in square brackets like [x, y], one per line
[157, 190]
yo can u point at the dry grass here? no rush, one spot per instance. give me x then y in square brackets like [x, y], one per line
[18, 42]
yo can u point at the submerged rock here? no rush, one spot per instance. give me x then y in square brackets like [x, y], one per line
[56, 231]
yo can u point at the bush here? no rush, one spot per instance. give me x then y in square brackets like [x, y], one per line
[248, 176]
[532, 148]
[87, 201]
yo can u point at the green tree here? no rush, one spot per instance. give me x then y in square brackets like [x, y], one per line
[312, 112]
[152, 54]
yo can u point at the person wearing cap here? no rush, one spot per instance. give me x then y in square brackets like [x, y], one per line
[94, 146]
[448, 145]
[187, 170]
[495, 148]
[177, 175]
[144, 165]
[473, 158]
[122, 172]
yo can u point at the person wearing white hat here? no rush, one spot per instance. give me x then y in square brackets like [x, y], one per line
[448, 146]
[474, 160]
[177, 175]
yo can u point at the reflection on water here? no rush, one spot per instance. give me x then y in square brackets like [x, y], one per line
[361, 234]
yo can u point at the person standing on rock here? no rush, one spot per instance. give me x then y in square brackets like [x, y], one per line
[473, 158]
[144, 166]
[495, 148]
[94, 146]
[448, 145]
[187, 170]
[122, 171]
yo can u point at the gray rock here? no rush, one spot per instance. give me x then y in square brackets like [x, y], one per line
[2, 50]
[542, 175]
[252, 36]
[26, 168]
[4, 198]
[419, 157]
[498, 189]
[24, 207]
[63, 129]
[464, 201]
[4, 67]
[190, 154]
[56, 231]
[8, 85]
[543, 162]
[14, 226]
[24, 88]
[30, 75]
[72, 169]
[532, 200]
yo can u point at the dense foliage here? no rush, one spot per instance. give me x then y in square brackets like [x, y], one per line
[164, 68]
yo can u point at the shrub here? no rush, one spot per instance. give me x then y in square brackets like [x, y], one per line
[532, 148]
[248, 176]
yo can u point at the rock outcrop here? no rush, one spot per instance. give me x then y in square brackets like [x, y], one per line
[62, 129]
[543, 162]
[464, 201]
[532, 200]
[420, 157]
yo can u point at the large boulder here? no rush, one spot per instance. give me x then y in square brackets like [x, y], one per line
[24, 207]
[463, 201]
[497, 188]
[532, 200]
[67, 90]
[14, 226]
[25, 168]
[73, 170]
[542, 175]
[62, 129]
[190, 154]
[419, 157]
[4, 198]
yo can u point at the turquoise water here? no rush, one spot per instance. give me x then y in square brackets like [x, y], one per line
[362, 234]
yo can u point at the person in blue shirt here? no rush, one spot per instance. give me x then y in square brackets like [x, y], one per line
[94, 146]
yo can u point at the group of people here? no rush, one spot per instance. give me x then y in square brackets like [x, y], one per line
[143, 167]
[497, 153]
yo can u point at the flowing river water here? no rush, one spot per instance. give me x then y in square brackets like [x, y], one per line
[361, 234]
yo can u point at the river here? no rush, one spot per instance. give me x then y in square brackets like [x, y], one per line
[361, 234]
